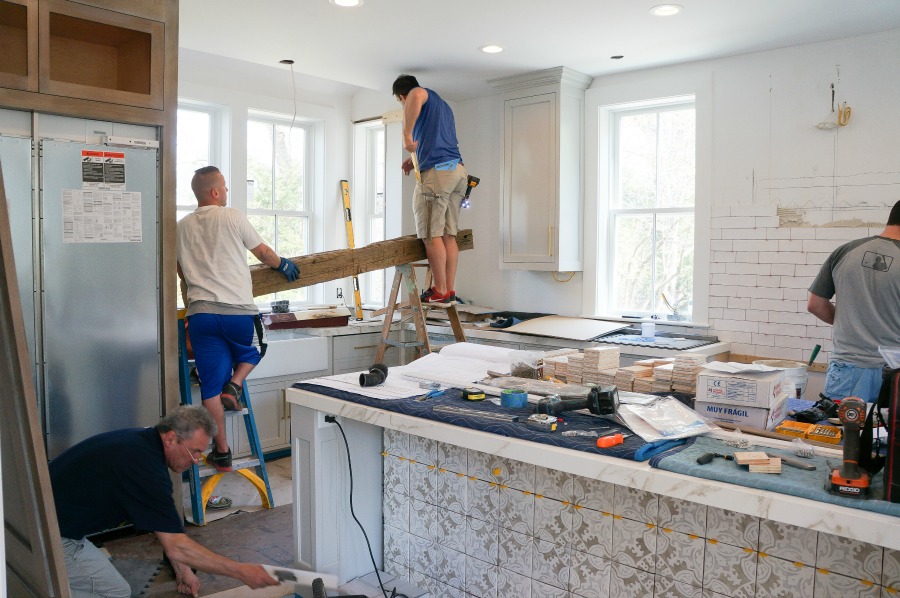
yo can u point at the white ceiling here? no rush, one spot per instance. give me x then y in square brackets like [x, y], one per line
[438, 41]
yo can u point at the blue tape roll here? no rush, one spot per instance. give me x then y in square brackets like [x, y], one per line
[513, 399]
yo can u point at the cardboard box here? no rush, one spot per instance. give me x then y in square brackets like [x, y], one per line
[761, 390]
[741, 415]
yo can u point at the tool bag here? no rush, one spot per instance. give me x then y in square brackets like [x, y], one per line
[888, 398]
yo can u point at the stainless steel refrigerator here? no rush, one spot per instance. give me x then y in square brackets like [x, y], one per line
[87, 256]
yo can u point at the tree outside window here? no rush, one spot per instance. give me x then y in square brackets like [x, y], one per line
[651, 240]
[278, 191]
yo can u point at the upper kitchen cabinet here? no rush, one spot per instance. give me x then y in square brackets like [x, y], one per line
[99, 54]
[18, 44]
[542, 204]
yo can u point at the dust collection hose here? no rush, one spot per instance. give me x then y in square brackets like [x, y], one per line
[376, 375]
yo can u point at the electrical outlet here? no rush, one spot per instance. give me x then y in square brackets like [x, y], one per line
[340, 293]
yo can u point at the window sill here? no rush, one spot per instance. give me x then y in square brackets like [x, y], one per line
[659, 322]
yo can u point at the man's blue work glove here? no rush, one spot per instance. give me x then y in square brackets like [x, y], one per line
[288, 269]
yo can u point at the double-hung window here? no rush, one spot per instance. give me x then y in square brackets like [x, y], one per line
[651, 216]
[368, 201]
[279, 188]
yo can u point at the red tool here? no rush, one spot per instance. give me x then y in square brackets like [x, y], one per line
[849, 480]
[613, 439]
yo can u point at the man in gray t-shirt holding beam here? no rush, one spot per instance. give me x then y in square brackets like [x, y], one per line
[865, 276]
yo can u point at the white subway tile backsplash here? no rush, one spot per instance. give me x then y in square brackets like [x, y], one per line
[797, 282]
[755, 210]
[790, 245]
[743, 349]
[807, 269]
[744, 233]
[778, 233]
[719, 211]
[733, 314]
[723, 256]
[821, 246]
[748, 268]
[756, 245]
[760, 292]
[764, 340]
[803, 233]
[798, 294]
[721, 245]
[734, 326]
[716, 268]
[780, 317]
[793, 342]
[783, 353]
[784, 269]
[773, 305]
[719, 290]
[766, 221]
[755, 315]
[719, 301]
[777, 257]
[842, 234]
[738, 303]
[734, 221]
[730, 336]
[768, 281]
[732, 279]
[715, 313]
[783, 329]
[747, 257]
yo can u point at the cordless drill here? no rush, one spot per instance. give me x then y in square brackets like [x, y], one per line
[849, 480]
[471, 183]
[602, 400]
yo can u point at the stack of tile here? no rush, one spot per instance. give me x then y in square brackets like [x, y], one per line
[574, 368]
[555, 367]
[684, 375]
[600, 365]
[626, 377]
[662, 378]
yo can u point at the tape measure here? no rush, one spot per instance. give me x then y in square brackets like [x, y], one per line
[473, 394]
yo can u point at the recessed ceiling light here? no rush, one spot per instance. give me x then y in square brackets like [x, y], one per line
[491, 49]
[666, 10]
[346, 3]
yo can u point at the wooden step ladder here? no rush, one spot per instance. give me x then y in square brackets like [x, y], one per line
[253, 468]
[412, 309]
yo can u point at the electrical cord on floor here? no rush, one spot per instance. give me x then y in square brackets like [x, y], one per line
[333, 420]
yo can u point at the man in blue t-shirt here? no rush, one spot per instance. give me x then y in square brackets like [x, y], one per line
[429, 135]
[865, 279]
[123, 477]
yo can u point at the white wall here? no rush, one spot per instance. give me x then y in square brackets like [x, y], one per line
[764, 108]
[238, 87]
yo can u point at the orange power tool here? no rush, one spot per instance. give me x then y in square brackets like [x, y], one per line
[849, 480]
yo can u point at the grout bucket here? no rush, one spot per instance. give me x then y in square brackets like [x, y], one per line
[794, 371]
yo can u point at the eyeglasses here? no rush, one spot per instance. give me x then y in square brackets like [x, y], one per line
[190, 452]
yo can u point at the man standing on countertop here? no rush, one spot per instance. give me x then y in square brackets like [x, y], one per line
[429, 134]
[865, 278]
[213, 241]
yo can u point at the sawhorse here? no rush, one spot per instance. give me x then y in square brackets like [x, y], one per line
[412, 309]
[253, 468]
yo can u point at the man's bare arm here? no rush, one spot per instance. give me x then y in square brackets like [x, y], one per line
[411, 109]
[185, 551]
[266, 255]
[821, 307]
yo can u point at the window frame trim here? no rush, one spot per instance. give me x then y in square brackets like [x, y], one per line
[629, 93]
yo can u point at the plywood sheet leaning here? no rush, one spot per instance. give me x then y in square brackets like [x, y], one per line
[342, 263]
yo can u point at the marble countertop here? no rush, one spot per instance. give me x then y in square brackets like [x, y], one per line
[855, 524]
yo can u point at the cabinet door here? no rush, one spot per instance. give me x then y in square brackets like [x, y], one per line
[356, 352]
[531, 179]
[272, 424]
[97, 54]
[18, 44]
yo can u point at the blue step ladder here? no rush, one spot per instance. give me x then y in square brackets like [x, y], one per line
[205, 478]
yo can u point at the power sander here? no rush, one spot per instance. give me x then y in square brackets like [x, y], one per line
[849, 480]
[601, 400]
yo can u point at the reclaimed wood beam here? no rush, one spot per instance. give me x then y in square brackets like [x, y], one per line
[342, 263]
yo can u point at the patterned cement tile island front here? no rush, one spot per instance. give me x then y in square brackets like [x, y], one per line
[476, 525]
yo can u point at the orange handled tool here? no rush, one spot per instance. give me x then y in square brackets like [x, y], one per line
[611, 440]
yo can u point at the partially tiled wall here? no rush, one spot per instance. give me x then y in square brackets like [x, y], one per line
[460, 523]
[759, 276]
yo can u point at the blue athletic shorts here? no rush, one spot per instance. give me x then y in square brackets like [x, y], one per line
[847, 380]
[219, 342]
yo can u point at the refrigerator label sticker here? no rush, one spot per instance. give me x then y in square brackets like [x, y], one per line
[101, 216]
[102, 170]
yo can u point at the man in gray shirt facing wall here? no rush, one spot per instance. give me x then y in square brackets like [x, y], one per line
[865, 276]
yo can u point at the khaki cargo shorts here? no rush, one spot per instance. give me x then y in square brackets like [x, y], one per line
[436, 201]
